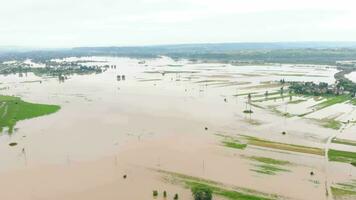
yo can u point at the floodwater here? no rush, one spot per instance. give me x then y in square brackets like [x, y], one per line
[155, 119]
[351, 76]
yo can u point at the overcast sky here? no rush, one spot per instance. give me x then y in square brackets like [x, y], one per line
[68, 23]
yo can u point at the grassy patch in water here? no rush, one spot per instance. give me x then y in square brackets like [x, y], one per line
[344, 190]
[267, 165]
[234, 144]
[280, 113]
[227, 193]
[13, 109]
[342, 156]
[268, 169]
[331, 123]
[344, 141]
[219, 189]
[339, 193]
[332, 100]
[282, 146]
[267, 160]
[328, 123]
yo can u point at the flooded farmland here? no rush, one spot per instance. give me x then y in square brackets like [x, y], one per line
[164, 124]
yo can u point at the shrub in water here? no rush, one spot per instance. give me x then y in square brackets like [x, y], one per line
[155, 193]
[164, 194]
[202, 193]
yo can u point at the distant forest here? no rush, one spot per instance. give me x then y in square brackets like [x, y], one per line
[254, 53]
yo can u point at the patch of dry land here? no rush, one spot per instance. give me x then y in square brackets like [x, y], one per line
[170, 125]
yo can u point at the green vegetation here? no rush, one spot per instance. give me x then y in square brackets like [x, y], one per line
[342, 156]
[51, 68]
[220, 191]
[268, 169]
[13, 109]
[248, 111]
[201, 192]
[339, 193]
[331, 123]
[344, 141]
[344, 190]
[280, 113]
[176, 197]
[234, 144]
[332, 100]
[328, 123]
[282, 146]
[310, 88]
[228, 192]
[155, 193]
[268, 160]
[268, 166]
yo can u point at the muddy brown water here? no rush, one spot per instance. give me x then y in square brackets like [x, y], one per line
[106, 129]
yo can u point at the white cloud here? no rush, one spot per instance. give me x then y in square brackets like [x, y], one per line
[137, 22]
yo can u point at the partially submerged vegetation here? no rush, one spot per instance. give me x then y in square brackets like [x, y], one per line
[232, 142]
[342, 156]
[268, 166]
[13, 109]
[331, 123]
[344, 190]
[283, 146]
[219, 189]
[244, 140]
[344, 141]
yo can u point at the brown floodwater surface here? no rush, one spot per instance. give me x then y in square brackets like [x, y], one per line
[165, 115]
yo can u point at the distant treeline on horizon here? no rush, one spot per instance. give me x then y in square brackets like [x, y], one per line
[279, 52]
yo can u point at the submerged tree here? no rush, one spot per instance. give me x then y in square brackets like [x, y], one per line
[266, 94]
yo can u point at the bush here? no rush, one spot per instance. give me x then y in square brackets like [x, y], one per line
[175, 197]
[248, 111]
[155, 193]
[164, 194]
[202, 193]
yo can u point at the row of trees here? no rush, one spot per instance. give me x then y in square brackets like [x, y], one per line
[311, 88]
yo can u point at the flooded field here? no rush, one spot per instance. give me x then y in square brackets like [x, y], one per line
[162, 124]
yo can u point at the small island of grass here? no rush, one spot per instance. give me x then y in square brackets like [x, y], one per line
[13, 109]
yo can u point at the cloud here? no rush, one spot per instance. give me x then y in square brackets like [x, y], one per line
[136, 22]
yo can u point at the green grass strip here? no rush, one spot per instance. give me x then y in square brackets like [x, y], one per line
[13, 109]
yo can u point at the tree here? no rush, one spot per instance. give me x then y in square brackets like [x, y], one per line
[202, 193]
[266, 94]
